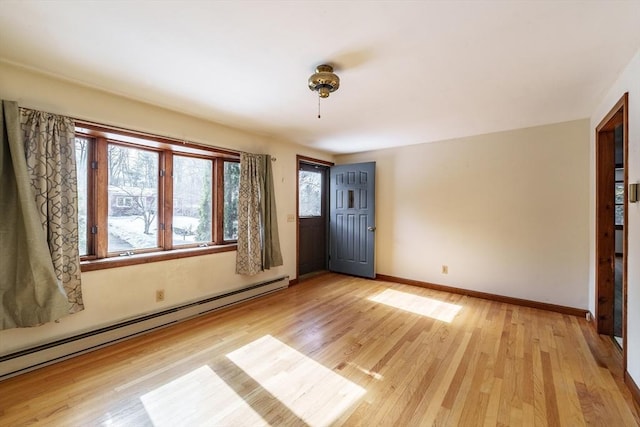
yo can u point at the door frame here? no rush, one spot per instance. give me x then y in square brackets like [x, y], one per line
[308, 160]
[605, 231]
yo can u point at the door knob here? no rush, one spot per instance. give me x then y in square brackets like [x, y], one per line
[371, 228]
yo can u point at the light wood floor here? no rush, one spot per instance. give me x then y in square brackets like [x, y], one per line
[337, 350]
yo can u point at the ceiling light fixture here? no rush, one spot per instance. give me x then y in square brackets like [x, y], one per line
[324, 82]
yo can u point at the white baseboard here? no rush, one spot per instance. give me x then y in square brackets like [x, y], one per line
[27, 360]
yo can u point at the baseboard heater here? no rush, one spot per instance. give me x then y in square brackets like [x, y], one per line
[36, 357]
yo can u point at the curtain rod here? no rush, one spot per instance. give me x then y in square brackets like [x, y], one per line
[81, 122]
[152, 135]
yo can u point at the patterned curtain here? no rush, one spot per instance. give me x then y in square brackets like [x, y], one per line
[49, 144]
[249, 253]
[30, 293]
[258, 240]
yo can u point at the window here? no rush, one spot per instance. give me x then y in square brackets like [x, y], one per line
[152, 197]
[619, 197]
[192, 206]
[82, 154]
[124, 202]
[231, 186]
[133, 198]
[619, 203]
[309, 192]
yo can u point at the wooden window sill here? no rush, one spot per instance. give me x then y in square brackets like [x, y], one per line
[144, 258]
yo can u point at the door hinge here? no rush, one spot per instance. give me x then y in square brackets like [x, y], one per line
[162, 172]
[94, 229]
[94, 164]
[161, 226]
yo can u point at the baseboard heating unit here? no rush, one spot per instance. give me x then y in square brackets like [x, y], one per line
[26, 360]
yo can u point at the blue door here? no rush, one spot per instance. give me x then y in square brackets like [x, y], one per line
[352, 219]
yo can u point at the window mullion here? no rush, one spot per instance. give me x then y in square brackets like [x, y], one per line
[218, 201]
[166, 195]
[100, 189]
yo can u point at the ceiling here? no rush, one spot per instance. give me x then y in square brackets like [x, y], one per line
[411, 72]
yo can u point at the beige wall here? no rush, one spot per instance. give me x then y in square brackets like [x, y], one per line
[506, 212]
[629, 81]
[116, 294]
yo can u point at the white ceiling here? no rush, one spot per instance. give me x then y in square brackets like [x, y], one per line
[411, 72]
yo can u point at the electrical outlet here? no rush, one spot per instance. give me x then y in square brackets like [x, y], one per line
[291, 218]
[445, 269]
[160, 295]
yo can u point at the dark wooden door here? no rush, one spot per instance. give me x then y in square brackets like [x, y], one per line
[352, 219]
[312, 218]
[611, 218]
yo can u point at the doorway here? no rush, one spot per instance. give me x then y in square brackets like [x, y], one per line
[312, 198]
[611, 218]
[348, 246]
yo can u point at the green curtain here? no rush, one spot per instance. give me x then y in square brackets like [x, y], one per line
[258, 240]
[272, 256]
[30, 292]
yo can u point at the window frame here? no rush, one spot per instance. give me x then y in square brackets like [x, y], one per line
[99, 138]
[90, 180]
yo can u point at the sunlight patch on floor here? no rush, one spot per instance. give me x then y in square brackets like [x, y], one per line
[423, 306]
[314, 393]
[165, 368]
[199, 398]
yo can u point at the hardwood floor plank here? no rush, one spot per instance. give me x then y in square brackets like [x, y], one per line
[342, 351]
[434, 401]
[551, 403]
[473, 408]
[493, 405]
[539, 397]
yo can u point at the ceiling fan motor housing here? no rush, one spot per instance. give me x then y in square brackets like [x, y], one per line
[324, 81]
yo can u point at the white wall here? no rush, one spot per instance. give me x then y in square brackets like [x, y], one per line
[629, 81]
[506, 212]
[115, 294]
